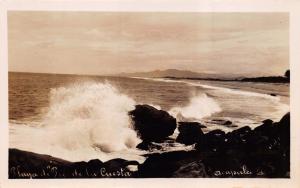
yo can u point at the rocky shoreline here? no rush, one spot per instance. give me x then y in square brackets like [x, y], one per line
[263, 152]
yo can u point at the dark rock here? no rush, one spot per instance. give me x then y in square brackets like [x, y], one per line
[23, 164]
[93, 166]
[273, 94]
[287, 74]
[221, 122]
[148, 146]
[189, 132]
[242, 131]
[239, 134]
[194, 169]
[227, 122]
[143, 145]
[213, 141]
[267, 121]
[192, 124]
[246, 140]
[166, 165]
[285, 120]
[284, 131]
[262, 152]
[217, 132]
[152, 124]
[266, 129]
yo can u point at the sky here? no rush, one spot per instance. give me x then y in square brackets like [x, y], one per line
[100, 43]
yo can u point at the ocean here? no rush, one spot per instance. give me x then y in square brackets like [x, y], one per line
[70, 116]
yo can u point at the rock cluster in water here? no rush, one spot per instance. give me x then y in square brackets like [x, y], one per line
[261, 152]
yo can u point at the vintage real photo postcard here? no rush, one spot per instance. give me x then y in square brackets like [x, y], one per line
[148, 94]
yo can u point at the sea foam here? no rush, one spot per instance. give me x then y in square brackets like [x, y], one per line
[199, 106]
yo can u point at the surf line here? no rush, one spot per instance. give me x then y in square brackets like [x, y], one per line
[224, 89]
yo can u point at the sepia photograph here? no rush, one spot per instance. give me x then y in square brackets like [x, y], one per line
[108, 94]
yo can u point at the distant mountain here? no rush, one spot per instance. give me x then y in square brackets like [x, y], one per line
[184, 74]
[172, 73]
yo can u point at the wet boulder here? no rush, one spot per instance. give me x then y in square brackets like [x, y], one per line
[164, 165]
[24, 164]
[152, 124]
[284, 130]
[221, 122]
[266, 129]
[239, 136]
[189, 132]
[149, 146]
[212, 141]
[195, 169]
[93, 166]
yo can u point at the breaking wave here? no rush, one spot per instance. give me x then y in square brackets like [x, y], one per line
[199, 106]
[87, 119]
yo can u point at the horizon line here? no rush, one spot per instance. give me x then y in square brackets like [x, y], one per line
[120, 74]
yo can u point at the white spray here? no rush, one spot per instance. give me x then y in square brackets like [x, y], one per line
[88, 120]
[199, 106]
